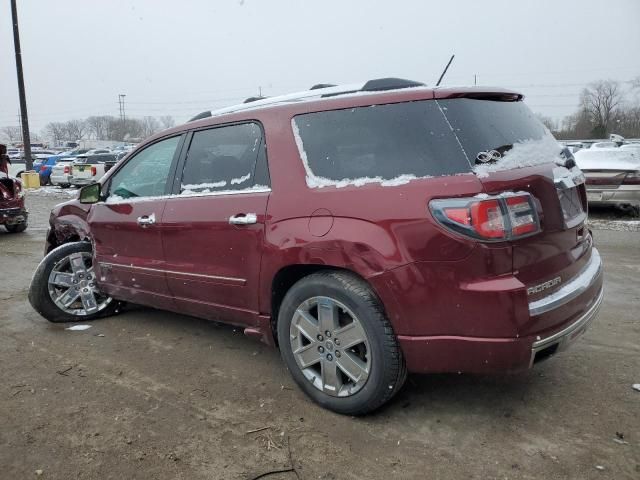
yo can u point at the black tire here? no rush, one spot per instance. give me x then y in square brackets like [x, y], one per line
[388, 370]
[16, 227]
[40, 298]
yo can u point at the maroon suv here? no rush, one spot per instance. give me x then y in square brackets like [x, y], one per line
[367, 231]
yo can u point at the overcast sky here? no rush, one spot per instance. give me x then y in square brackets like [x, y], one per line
[182, 57]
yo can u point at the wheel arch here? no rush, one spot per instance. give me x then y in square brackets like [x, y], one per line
[289, 275]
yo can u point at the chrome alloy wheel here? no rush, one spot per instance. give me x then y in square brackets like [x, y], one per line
[72, 286]
[330, 346]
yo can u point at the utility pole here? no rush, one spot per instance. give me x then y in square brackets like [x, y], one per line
[122, 113]
[26, 140]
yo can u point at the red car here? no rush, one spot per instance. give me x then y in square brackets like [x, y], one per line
[367, 231]
[13, 213]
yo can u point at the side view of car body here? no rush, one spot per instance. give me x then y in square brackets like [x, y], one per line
[366, 230]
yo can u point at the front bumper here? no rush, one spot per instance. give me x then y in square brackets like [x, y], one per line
[13, 216]
[576, 304]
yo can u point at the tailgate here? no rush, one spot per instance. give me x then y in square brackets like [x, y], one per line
[82, 171]
[561, 252]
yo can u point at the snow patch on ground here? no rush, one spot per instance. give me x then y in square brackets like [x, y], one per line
[79, 327]
[618, 225]
[528, 153]
[53, 192]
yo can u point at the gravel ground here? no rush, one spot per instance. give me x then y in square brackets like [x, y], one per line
[149, 394]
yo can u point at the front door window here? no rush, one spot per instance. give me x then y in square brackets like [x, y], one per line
[145, 174]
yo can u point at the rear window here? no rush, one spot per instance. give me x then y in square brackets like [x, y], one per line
[391, 143]
[489, 129]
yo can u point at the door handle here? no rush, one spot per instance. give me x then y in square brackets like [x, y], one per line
[147, 220]
[243, 219]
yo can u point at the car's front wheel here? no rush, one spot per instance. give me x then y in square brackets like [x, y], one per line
[16, 227]
[338, 344]
[64, 287]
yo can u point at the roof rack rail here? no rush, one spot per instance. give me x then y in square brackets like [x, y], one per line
[322, 85]
[200, 116]
[389, 83]
[254, 99]
[319, 91]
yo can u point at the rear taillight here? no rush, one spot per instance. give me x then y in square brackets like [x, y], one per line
[67, 169]
[94, 171]
[632, 179]
[490, 218]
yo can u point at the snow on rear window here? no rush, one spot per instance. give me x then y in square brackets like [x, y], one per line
[387, 144]
[526, 153]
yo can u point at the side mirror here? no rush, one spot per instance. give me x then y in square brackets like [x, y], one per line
[90, 193]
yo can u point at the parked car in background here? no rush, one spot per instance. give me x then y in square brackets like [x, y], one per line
[17, 166]
[13, 213]
[612, 176]
[89, 167]
[604, 145]
[45, 169]
[61, 173]
[44, 166]
[358, 243]
[631, 147]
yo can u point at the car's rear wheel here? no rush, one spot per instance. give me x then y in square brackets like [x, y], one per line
[338, 344]
[64, 288]
[16, 227]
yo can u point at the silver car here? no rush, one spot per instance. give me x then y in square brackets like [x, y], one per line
[613, 175]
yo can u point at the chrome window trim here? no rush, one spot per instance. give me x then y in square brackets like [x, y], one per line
[172, 196]
[570, 290]
[220, 194]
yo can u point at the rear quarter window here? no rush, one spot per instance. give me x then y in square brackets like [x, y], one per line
[390, 144]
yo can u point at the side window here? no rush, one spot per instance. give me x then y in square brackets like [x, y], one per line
[225, 159]
[146, 173]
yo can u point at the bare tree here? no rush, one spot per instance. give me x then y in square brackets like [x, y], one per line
[167, 121]
[76, 129]
[57, 131]
[600, 100]
[149, 125]
[98, 126]
[12, 134]
[548, 122]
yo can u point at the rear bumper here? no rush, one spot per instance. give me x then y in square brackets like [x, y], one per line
[59, 179]
[623, 195]
[492, 355]
[82, 181]
[566, 313]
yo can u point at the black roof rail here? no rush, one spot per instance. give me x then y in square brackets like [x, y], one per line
[200, 116]
[254, 99]
[322, 85]
[390, 83]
